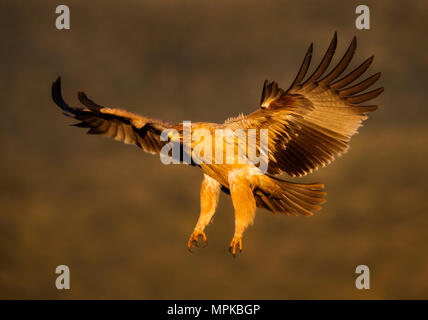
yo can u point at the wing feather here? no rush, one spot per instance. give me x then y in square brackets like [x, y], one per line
[118, 124]
[356, 73]
[344, 62]
[361, 86]
[325, 62]
[304, 67]
[312, 122]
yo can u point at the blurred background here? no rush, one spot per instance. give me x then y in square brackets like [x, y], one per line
[120, 219]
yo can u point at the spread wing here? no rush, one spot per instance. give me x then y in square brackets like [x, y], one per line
[312, 122]
[118, 124]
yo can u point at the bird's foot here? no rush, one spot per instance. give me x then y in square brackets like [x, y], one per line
[235, 244]
[194, 239]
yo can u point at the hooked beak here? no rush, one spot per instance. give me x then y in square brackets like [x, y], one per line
[173, 136]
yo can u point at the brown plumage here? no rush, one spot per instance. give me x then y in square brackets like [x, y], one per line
[308, 125]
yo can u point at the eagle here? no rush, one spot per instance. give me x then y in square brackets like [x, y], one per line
[308, 126]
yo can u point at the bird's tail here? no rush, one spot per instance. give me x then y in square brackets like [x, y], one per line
[280, 196]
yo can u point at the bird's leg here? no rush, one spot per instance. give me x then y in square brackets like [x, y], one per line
[244, 205]
[210, 192]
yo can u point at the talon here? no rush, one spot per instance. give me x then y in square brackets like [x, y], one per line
[194, 240]
[204, 239]
[236, 243]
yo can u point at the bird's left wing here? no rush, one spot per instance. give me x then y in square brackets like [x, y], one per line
[312, 122]
[118, 124]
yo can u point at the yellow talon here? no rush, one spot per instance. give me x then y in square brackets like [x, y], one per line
[235, 244]
[194, 239]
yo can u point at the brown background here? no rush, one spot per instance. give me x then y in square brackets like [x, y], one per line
[120, 219]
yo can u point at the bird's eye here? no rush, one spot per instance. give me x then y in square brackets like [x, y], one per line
[173, 136]
[170, 135]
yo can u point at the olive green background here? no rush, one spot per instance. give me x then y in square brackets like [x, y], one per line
[120, 219]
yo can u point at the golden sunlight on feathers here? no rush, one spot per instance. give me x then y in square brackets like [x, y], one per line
[308, 125]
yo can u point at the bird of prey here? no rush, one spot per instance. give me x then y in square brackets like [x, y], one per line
[308, 125]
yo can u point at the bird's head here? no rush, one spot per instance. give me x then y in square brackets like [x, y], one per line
[174, 136]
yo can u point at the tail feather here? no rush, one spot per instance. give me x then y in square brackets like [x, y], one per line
[280, 196]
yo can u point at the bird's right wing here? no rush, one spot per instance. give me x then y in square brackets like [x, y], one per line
[118, 124]
[312, 122]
